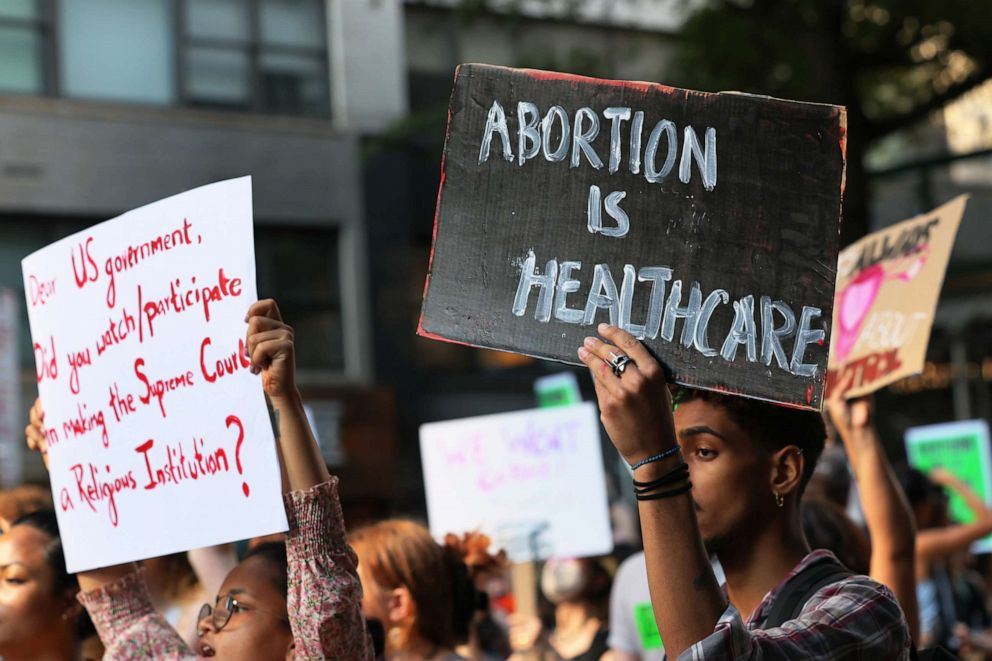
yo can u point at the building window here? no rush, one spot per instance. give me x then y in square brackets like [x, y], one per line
[300, 269]
[25, 31]
[255, 55]
[117, 50]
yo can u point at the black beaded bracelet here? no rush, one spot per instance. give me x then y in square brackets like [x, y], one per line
[658, 457]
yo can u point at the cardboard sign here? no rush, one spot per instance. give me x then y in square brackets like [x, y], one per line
[962, 448]
[159, 438]
[704, 224]
[12, 416]
[533, 481]
[888, 284]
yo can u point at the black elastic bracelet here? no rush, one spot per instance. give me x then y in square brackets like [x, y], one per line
[675, 481]
[674, 475]
[665, 494]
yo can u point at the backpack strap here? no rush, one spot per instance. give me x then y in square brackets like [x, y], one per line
[790, 601]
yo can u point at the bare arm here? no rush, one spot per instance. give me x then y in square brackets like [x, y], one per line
[636, 411]
[324, 597]
[938, 542]
[272, 353]
[983, 515]
[887, 513]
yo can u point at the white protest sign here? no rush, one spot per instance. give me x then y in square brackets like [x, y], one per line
[159, 438]
[533, 481]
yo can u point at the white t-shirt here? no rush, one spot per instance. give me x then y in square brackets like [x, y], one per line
[632, 625]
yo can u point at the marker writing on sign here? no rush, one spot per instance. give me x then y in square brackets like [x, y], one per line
[40, 291]
[86, 269]
[909, 241]
[135, 254]
[117, 331]
[84, 423]
[46, 360]
[77, 360]
[227, 364]
[236, 421]
[864, 371]
[158, 388]
[185, 297]
[170, 464]
[535, 137]
[556, 283]
[94, 488]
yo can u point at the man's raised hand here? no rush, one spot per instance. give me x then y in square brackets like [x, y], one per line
[635, 407]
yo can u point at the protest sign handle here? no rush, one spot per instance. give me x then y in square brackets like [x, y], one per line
[523, 577]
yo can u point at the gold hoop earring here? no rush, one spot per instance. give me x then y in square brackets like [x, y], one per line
[779, 500]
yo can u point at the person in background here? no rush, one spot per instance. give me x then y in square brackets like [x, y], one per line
[40, 618]
[831, 479]
[971, 605]
[826, 526]
[23, 499]
[301, 599]
[579, 590]
[176, 592]
[888, 516]
[420, 591]
[633, 632]
[487, 640]
[937, 542]
[211, 565]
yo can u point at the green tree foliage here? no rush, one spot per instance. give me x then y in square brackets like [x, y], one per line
[891, 62]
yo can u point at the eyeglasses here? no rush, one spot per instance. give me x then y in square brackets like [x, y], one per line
[221, 614]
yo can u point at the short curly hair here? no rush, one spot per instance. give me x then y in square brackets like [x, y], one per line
[768, 425]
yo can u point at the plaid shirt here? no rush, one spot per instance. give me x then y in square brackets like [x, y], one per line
[855, 618]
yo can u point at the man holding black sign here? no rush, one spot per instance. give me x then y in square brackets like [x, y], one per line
[703, 224]
[749, 462]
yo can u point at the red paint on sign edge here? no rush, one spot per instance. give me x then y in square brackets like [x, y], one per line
[437, 210]
[540, 74]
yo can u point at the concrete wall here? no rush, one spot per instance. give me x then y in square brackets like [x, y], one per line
[95, 161]
[65, 157]
[437, 40]
[368, 66]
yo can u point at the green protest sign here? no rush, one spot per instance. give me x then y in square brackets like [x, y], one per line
[962, 448]
[560, 389]
[647, 628]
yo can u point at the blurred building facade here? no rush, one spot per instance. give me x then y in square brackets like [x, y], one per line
[337, 109]
[110, 104]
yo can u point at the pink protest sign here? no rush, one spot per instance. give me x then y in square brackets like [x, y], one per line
[888, 284]
[159, 438]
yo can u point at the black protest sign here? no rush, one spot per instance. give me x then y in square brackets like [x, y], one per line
[705, 224]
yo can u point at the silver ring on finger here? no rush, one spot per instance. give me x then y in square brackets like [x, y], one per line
[619, 363]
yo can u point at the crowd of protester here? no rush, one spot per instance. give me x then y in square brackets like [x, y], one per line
[750, 551]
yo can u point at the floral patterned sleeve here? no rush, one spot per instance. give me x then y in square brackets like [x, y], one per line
[325, 595]
[129, 625]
